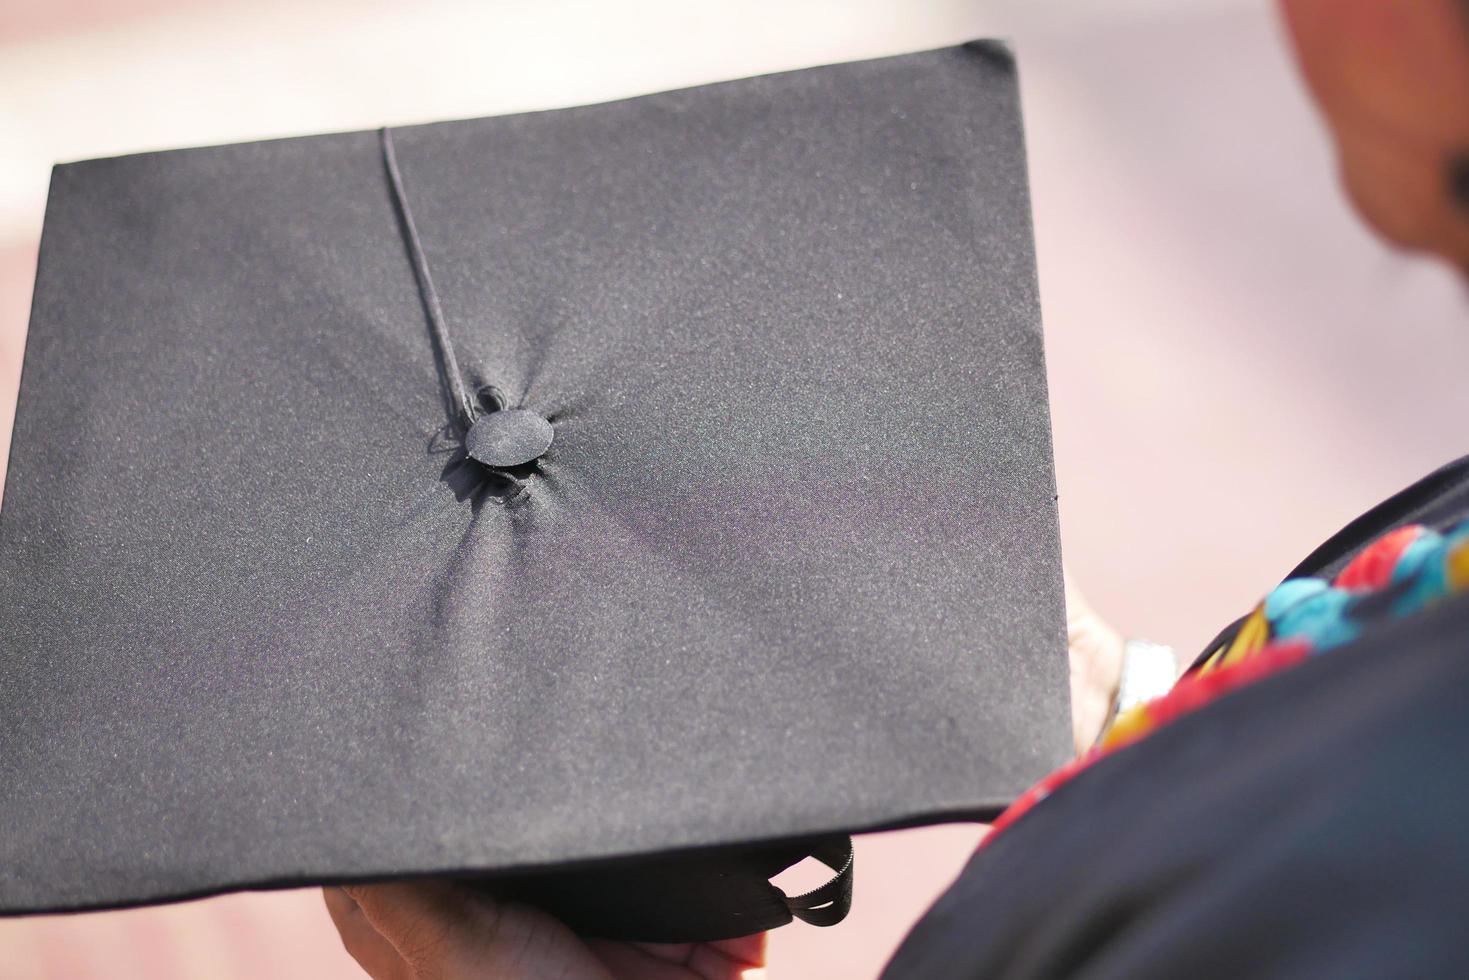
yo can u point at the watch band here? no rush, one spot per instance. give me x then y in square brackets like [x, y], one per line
[1149, 670]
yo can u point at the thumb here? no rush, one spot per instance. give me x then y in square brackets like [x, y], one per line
[443, 930]
[431, 924]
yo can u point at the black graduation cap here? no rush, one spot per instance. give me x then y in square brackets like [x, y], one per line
[620, 503]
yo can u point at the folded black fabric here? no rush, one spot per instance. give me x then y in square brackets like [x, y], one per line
[757, 544]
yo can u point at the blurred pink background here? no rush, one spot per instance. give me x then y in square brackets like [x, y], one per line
[1237, 368]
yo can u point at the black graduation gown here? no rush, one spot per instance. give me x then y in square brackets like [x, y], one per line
[1311, 825]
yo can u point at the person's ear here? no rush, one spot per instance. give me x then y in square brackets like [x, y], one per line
[1458, 182]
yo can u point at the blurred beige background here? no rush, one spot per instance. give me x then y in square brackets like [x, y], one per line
[1237, 368]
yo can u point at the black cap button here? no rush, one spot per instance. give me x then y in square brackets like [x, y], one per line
[513, 437]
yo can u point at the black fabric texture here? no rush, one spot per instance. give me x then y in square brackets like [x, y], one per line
[1308, 826]
[829, 903]
[788, 568]
[676, 898]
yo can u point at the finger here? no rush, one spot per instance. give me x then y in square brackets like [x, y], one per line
[426, 922]
[639, 960]
[363, 943]
[732, 959]
[729, 961]
[749, 950]
[743, 952]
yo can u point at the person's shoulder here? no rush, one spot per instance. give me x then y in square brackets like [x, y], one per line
[1319, 809]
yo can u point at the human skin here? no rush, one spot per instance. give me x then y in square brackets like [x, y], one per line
[1392, 80]
[434, 930]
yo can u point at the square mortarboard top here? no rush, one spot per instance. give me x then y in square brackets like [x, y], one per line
[537, 496]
